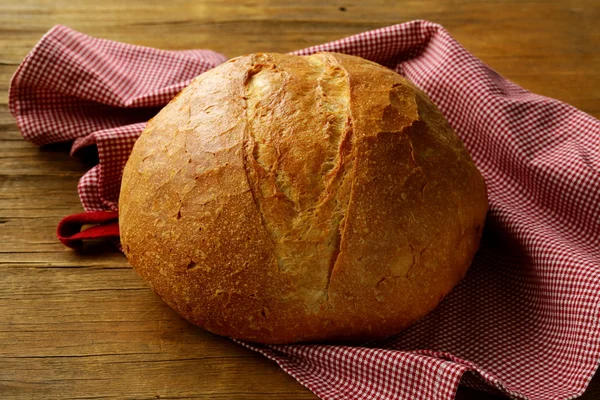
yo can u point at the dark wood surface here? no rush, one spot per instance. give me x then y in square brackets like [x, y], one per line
[85, 326]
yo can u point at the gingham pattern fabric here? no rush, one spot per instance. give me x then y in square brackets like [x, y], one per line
[94, 91]
[524, 320]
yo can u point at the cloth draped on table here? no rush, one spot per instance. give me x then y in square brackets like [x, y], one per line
[524, 321]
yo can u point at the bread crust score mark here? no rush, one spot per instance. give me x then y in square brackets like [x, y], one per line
[271, 164]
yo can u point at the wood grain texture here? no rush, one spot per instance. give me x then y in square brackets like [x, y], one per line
[85, 326]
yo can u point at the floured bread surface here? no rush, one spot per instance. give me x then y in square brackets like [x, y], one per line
[282, 198]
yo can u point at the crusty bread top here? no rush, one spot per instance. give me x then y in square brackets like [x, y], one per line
[283, 198]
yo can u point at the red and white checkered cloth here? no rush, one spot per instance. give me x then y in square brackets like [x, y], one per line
[525, 320]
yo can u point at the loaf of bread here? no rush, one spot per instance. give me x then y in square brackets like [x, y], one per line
[282, 199]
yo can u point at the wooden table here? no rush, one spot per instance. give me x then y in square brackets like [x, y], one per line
[85, 326]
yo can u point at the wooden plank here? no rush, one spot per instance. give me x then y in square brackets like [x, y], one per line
[102, 256]
[192, 377]
[545, 35]
[106, 326]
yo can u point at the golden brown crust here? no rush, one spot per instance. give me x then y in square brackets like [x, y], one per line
[282, 198]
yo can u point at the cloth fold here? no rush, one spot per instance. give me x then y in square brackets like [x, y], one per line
[525, 318]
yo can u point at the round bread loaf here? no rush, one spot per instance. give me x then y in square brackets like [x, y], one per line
[282, 198]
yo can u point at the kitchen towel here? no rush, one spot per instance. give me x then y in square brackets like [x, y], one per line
[524, 320]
